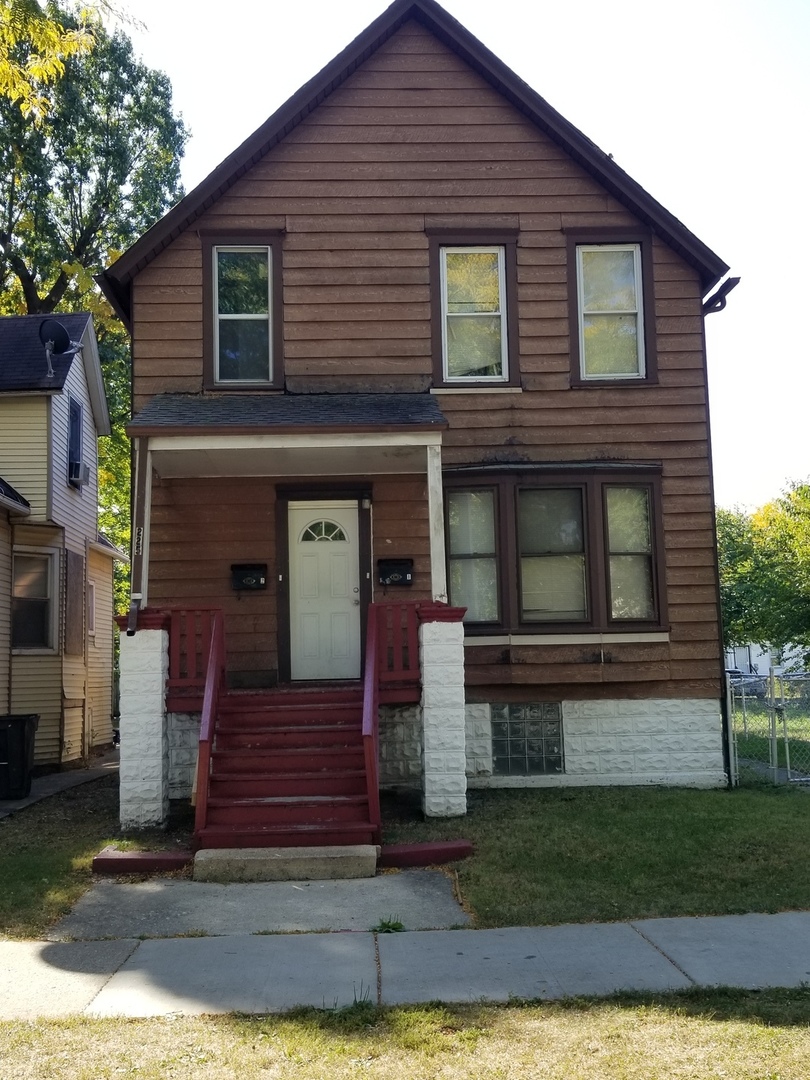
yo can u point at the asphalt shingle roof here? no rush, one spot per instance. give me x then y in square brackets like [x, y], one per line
[22, 356]
[327, 411]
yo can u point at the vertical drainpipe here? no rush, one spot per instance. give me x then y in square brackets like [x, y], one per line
[140, 532]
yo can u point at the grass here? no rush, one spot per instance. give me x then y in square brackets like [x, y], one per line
[46, 852]
[549, 856]
[543, 856]
[696, 1035]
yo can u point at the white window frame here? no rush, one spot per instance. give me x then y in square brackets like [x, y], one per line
[91, 608]
[53, 557]
[638, 312]
[472, 249]
[236, 249]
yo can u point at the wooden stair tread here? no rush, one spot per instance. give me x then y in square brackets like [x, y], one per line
[284, 800]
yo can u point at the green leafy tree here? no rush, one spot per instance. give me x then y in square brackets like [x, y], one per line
[78, 184]
[34, 45]
[765, 571]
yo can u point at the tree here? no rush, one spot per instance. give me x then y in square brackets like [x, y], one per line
[34, 45]
[78, 184]
[765, 571]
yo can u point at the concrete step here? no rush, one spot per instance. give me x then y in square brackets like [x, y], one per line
[286, 864]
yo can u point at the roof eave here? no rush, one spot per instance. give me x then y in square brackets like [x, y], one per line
[149, 431]
[116, 280]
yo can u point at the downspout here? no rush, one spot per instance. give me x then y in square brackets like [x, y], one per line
[717, 302]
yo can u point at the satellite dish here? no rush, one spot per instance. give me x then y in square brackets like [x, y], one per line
[57, 341]
[54, 336]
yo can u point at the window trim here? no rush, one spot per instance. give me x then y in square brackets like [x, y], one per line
[91, 608]
[612, 236]
[53, 557]
[593, 482]
[75, 404]
[474, 239]
[211, 241]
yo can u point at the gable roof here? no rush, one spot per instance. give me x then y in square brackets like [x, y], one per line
[24, 368]
[116, 281]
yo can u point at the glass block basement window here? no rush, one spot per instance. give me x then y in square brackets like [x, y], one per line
[527, 739]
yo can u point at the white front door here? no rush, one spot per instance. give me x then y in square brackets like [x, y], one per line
[324, 590]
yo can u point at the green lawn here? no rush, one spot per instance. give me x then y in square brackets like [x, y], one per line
[542, 856]
[593, 854]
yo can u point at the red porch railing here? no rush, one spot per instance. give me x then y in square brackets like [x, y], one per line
[190, 632]
[214, 681]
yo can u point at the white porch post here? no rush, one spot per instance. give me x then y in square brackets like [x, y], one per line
[144, 743]
[444, 760]
[438, 565]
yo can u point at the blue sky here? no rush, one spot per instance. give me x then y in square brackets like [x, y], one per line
[703, 102]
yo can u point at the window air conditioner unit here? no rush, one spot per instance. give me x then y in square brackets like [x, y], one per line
[79, 473]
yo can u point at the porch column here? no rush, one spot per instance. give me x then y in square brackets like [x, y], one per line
[438, 566]
[141, 513]
[144, 769]
[444, 760]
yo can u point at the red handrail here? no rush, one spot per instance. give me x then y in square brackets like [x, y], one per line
[371, 723]
[214, 680]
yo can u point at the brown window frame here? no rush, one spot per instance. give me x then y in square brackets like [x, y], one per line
[576, 238]
[272, 240]
[473, 238]
[593, 483]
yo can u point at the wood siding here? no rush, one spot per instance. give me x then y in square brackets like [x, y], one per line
[5, 610]
[417, 141]
[100, 653]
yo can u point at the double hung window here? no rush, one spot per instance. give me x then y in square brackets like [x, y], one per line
[610, 298]
[242, 343]
[473, 307]
[571, 552]
[32, 601]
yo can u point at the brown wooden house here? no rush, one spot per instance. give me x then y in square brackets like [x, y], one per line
[417, 351]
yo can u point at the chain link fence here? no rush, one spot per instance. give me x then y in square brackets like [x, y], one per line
[770, 717]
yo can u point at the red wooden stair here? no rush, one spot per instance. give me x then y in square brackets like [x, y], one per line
[287, 769]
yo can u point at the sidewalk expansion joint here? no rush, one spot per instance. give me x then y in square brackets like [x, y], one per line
[112, 974]
[378, 966]
[665, 955]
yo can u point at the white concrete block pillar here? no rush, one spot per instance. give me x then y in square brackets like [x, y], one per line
[144, 737]
[441, 652]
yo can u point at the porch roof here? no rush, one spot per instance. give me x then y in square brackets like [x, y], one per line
[216, 414]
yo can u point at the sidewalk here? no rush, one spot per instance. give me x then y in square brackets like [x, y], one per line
[259, 973]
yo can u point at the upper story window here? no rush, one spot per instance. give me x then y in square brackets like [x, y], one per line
[611, 316]
[243, 351]
[242, 312]
[580, 552]
[75, 463]
[473, 316]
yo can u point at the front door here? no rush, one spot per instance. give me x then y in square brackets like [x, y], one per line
[324, 590]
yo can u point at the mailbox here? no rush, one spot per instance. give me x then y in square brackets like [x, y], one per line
[248, 576]
[395, 571]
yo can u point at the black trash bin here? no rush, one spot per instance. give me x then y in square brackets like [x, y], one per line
[16, 755]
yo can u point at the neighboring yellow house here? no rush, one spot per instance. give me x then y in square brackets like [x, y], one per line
[56, 572]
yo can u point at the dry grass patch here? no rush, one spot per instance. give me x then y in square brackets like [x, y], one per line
[702, 1035]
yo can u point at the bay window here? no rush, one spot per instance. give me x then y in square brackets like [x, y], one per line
[535, 552]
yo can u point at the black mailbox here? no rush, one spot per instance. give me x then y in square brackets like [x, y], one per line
[395, 571]
[249, 576]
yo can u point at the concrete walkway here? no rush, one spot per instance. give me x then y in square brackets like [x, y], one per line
[52, 783]
[259, 973]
